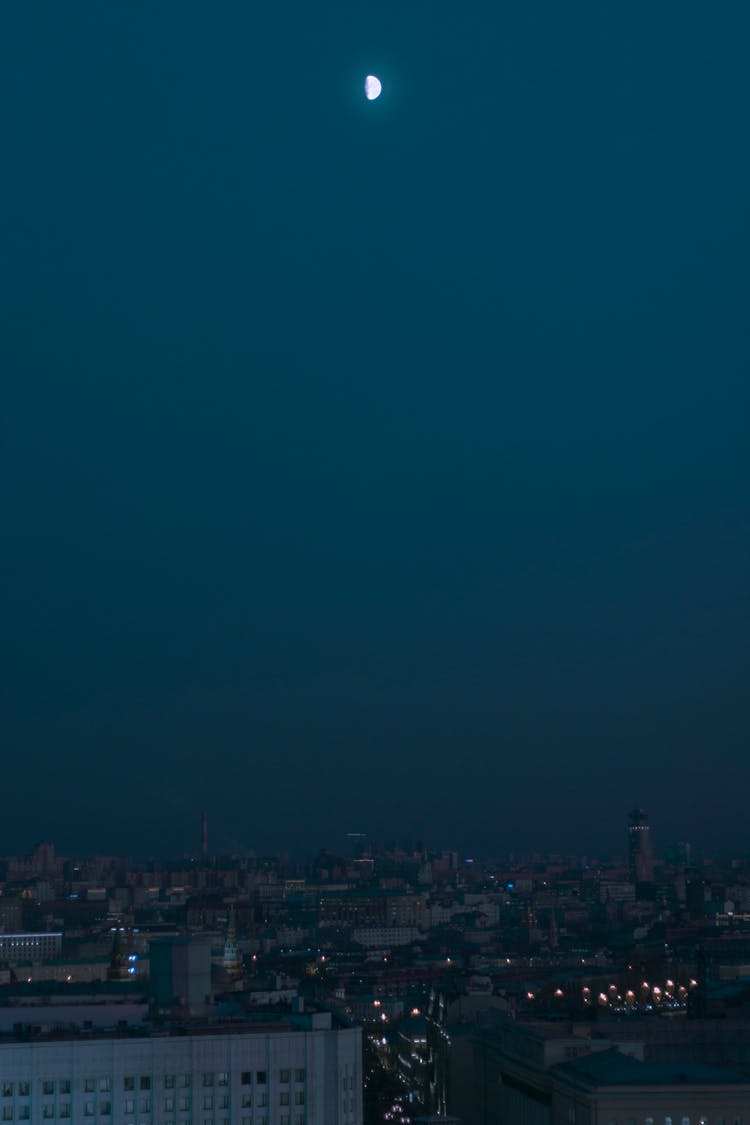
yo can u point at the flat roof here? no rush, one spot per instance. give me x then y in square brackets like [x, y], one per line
[613, 1068]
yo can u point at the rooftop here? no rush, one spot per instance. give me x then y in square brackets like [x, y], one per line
[613, 1068]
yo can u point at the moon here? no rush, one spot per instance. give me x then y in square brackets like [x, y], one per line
[373, 87]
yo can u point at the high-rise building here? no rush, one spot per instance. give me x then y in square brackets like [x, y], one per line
[640, 854]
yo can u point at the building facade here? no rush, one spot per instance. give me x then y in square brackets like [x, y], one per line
[288, 1071]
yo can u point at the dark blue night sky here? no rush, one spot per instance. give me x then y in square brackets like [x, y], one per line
[374, 466]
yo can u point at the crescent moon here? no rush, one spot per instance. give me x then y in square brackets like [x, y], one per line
[373, 87]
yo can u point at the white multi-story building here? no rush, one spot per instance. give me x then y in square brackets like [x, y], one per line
[30, 947]
[295, 1069]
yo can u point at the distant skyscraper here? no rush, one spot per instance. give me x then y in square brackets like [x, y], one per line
[640, 854]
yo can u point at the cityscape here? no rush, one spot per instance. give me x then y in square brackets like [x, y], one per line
[378, 982]
[375, 600]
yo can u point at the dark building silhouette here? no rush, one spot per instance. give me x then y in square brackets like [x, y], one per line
[640, 853]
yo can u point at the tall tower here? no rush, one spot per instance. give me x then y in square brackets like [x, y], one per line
[640, 854]
[232, 955]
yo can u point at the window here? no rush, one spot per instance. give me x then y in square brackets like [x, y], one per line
[105, 1108]
[208, 1102]
[145, 1082]
[284, 1098]
[183, 1080]
[65, 1086]
[208, 1079]
[686, 1121]
[299, 1119]
[105, 1085]
[222, 1102]
[88, 1109]
[247, 1101]
[260, 1077]
[184, 1103]
[7, 1113]
[246, 1077]
[130, 1105]
[169, 1081]
[299, 1074]
[128, 1083]
[299, 1097]
[24, 1113]
[145, 1105]
[169, 1105]
[88, 1085]
[222, 1079]
[667, 1121]
[7, 1089]
[261, 1099]
[24, 1089]
[649, 1121]
[285, 1119]
[48, 1111]
[48, 1087]
[284, 1076]
[571, 1112]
